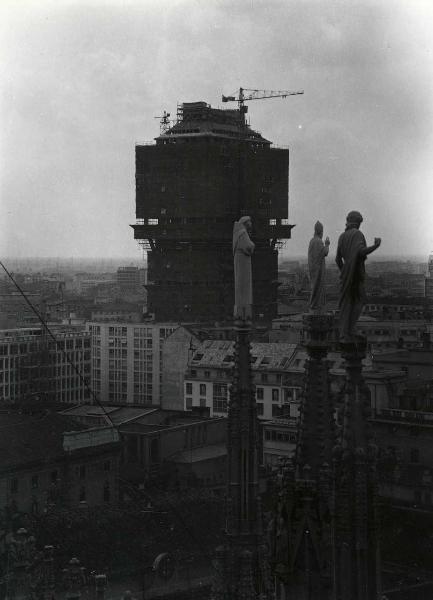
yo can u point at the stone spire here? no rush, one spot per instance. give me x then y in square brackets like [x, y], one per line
[356, 546]
[303, 561]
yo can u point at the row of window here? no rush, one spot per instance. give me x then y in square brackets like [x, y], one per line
[279, 436]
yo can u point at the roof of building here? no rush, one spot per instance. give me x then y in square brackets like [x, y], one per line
[26, 439]
[117, 414]
[269, 356]
[406, 356]
[199, 454]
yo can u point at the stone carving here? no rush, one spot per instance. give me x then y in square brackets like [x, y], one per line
[243, 249]
[352, 251]
[317, 251]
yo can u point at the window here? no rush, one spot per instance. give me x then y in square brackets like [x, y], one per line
[35, 482]
[207, 374]
[259, 393]
[267, 434]
[188, 388]
[414, 455]
[259, 409]
[188, 403]
[202, 389]
[203, 402]
[106, 493]
[264, 377]
[276, 410]
[275, 395]
[220, 397]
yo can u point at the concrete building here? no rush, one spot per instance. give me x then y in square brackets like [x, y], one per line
[33, 365]
[190, 188]
[127, 361]
[53, 460]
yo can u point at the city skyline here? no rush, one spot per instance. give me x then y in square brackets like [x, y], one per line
[84, 83]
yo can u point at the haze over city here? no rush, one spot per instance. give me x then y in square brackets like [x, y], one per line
[83, 82]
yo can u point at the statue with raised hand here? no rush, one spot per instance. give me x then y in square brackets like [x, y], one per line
[352, 252]
[317, 252]
[243, 249]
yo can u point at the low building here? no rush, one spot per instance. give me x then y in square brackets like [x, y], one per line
[53, 460]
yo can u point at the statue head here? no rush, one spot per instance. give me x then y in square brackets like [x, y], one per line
[318, 229]
[246, 222]
[353, 219]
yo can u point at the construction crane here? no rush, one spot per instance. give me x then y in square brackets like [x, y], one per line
[257, 95]
[164, 123]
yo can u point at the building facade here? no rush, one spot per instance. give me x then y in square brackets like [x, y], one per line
[127, 361]
[54, 461]
[209, 375]
[33, 365]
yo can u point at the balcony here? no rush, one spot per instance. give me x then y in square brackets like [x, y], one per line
[404, 416]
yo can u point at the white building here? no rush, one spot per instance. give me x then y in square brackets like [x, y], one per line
[209, 376]
[127, 361]
[32, 364]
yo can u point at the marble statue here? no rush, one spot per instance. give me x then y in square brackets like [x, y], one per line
[352, 250]
[243, 249]
[317, 251]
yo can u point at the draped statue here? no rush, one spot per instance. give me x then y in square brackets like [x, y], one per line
[352, 252]
[243, 249]
[317, 251]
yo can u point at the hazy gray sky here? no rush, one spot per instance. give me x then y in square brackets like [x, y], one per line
[82, 81]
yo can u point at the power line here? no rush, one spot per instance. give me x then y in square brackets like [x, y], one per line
[53, 337]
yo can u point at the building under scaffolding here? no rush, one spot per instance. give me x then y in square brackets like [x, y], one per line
[202, 174]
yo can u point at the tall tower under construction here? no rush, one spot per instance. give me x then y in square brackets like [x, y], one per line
[201, 174]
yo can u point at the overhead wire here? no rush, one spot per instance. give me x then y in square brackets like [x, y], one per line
[58, 347]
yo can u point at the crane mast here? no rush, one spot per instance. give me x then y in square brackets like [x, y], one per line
[247, 94]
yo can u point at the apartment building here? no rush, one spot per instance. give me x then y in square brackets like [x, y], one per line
[32, 364]
[127, 361]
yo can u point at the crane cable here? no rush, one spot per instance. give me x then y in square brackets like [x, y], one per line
[63, 352]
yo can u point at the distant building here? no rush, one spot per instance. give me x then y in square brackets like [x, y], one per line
[54, 461]
[33, 365]
[403, 426]
[127, 361]
[389, 333]
[118, 312]
[430, 266]
[131, 278]
[15, 312]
